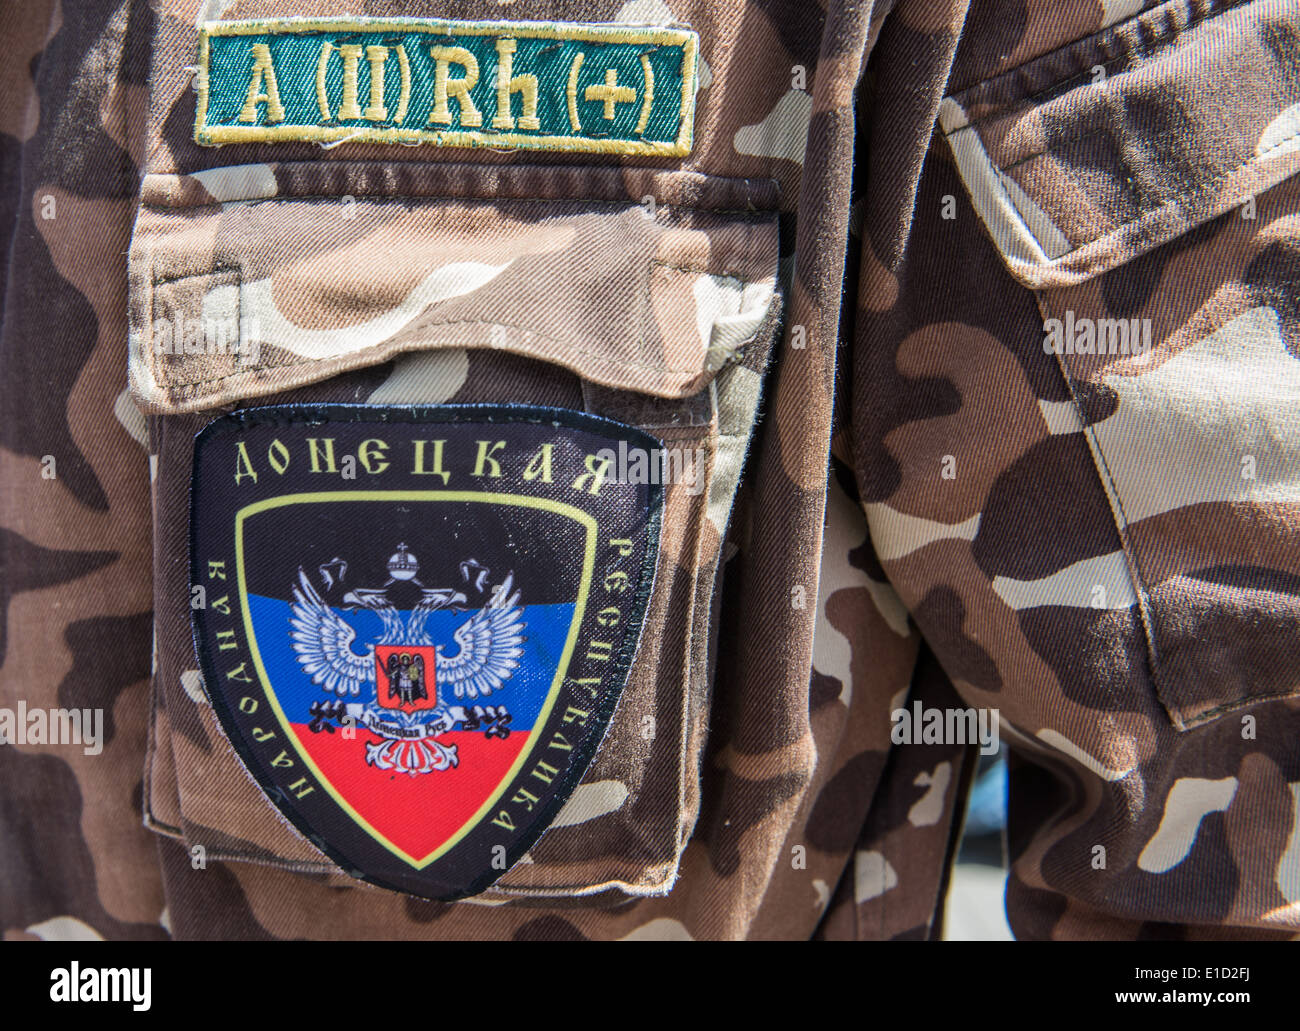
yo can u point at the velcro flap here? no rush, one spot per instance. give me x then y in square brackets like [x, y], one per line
[251, 280]
[1081, 160]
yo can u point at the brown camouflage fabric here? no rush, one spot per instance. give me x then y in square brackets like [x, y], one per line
[846, 296]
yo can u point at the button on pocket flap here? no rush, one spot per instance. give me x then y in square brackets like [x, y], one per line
[251, 280]
[1083, 159]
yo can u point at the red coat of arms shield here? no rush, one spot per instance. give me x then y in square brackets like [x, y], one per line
[406, 676]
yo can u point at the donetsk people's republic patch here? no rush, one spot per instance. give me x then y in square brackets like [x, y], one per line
[415, 622]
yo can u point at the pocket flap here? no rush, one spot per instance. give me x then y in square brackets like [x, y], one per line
[1081, 160]
[249, 280]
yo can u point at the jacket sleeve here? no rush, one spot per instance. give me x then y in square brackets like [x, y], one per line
[1075, 428]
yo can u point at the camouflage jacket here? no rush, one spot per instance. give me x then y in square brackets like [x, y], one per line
[979, 316]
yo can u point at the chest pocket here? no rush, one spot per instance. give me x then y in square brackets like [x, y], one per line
[638, 299]
[1142, 182]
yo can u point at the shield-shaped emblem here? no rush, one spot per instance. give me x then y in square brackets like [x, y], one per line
[420, 669]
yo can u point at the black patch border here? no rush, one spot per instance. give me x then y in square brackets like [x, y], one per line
[584, 753]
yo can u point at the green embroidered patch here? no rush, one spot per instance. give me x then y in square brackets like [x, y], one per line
[536, 85]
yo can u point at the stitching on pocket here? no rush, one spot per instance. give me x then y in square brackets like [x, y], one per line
[448, 324]
[1029, 100]
[1006, 195]
[750, 214]
[151, 820]
[1117, 514]
[1150, 214]
[1209, 183]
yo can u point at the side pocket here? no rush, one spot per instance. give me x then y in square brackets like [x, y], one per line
[416, 339]
[1142, 182]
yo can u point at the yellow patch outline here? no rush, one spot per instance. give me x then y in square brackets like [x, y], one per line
[213, 136]
[579, 610]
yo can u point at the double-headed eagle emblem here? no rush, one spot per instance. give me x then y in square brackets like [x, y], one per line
[487, 651]
[488, 645]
